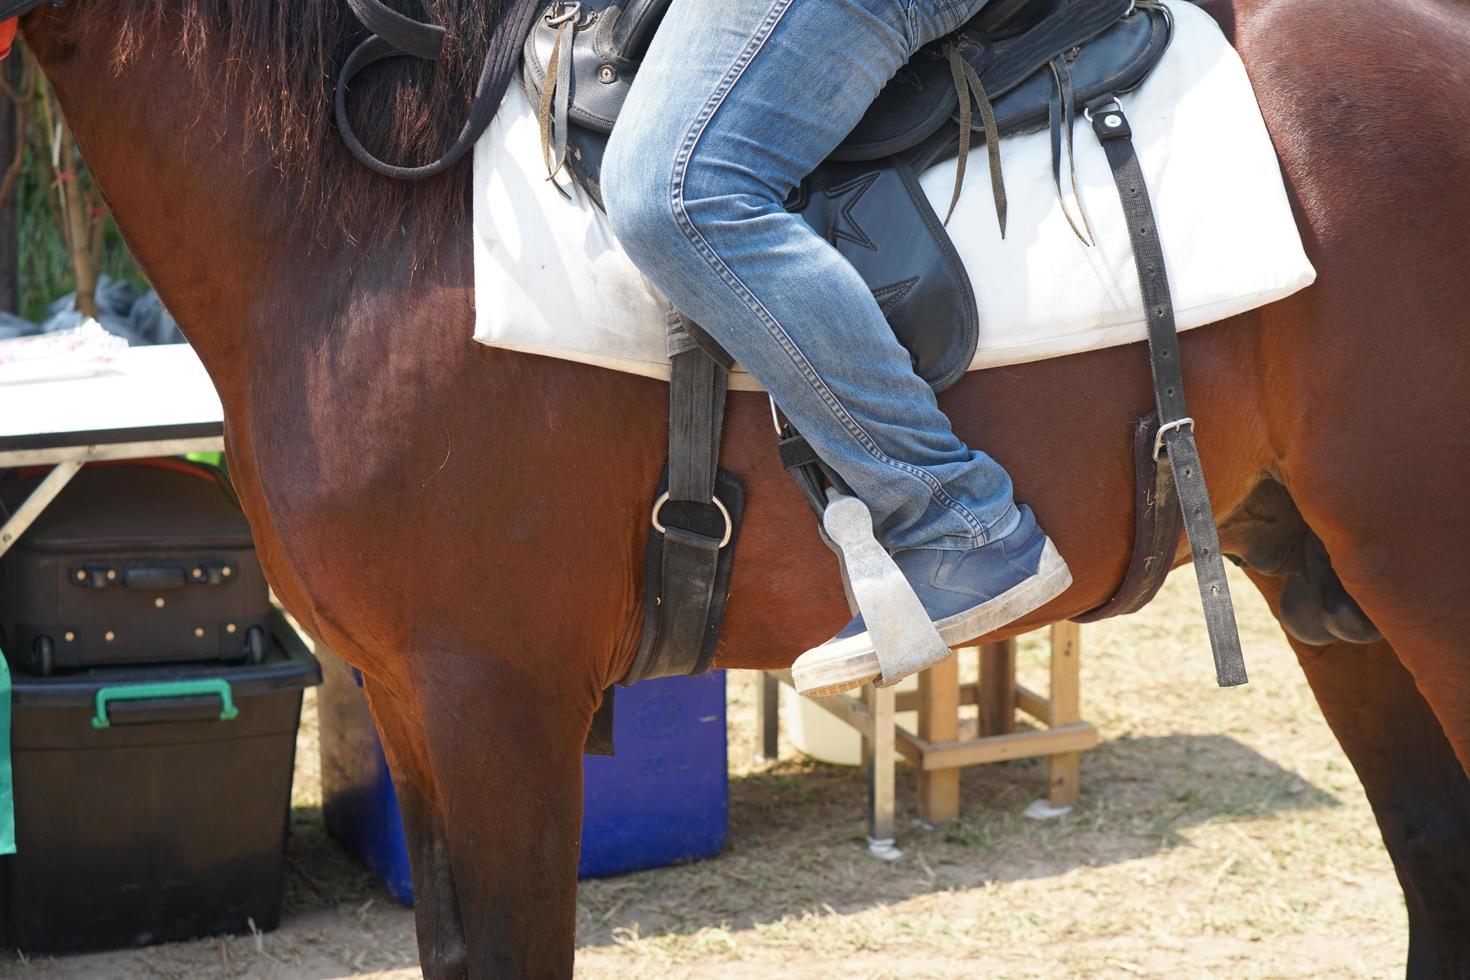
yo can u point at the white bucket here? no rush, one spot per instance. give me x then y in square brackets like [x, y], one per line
[816, 733]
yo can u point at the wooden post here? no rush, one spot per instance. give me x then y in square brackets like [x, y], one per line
[768, 716]
[939, 721]
[998, 688]
[1066, 709]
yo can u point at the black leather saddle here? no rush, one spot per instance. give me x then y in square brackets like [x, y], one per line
[1027, 63]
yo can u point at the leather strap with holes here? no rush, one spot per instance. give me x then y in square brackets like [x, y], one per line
[1174, 449]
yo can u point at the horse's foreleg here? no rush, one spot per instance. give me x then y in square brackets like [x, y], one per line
[442, 947]
[1415, 784]
[505, 749]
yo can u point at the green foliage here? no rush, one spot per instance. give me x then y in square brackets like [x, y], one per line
[47, 268]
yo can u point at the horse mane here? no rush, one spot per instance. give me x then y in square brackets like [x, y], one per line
[277, 62]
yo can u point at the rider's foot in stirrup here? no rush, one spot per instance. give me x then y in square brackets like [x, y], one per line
[967, 594]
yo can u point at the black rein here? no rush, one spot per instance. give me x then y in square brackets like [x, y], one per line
[392, 35]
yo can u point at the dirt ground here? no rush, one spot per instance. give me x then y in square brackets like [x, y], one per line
[1220, 834]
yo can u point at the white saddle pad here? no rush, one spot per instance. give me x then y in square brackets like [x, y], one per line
[551, 279]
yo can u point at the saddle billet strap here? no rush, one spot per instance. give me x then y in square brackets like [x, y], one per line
[1174, 447]
[695, 520]
[968, 87]
[1063, 120]
[551, 113]
[406, 38]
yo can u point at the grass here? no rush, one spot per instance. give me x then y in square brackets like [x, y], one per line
[1220, 834]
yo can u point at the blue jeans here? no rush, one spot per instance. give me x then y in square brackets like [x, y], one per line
[736, 102]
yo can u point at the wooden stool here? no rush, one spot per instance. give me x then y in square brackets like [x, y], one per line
[937, 751]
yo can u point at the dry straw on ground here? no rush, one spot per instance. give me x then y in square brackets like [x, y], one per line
[1221, 834]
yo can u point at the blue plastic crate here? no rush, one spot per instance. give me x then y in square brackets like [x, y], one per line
[664, 798]
[359, 806]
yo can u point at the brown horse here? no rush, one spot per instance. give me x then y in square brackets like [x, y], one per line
[467, 525]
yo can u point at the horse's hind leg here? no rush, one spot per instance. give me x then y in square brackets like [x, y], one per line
[442, 948]
[1417, 788]
[1385, 495]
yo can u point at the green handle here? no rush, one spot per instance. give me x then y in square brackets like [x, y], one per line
[166, 689]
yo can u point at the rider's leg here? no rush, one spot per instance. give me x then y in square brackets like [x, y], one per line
[733, 106]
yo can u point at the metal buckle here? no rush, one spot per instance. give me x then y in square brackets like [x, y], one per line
[776, 418]
[1112, 105]
[1165, 430]
[658, 506]
[562, 13]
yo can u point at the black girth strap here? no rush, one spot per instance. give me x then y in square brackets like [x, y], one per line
[695, 518]
[1174, 448]
[699, 381]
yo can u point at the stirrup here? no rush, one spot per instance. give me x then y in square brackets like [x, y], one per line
[904, 637]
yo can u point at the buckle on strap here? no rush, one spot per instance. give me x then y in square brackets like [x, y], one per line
[658, 507]
[1165, 429]
[563, 13]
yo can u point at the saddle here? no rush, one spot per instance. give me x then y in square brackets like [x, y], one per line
[1019, 65]
[1028, 63]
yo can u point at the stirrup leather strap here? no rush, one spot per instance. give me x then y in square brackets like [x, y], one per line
[1174, 447]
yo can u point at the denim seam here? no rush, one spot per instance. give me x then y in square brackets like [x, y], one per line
[752, 303]
[1004, 518]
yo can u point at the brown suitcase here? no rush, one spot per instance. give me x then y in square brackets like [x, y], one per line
[132, 564]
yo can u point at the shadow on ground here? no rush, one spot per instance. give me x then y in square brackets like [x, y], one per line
[321, 874]
[797, 839]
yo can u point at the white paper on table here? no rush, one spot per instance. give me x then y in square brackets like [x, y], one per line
[80, 352]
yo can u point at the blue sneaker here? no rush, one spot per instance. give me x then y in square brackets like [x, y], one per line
[967, 594]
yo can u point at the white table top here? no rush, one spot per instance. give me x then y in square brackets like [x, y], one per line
[147, 393]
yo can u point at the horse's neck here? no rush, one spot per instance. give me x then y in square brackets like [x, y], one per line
[206, 216]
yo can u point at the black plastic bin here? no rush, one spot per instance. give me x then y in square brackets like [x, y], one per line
[150, 819]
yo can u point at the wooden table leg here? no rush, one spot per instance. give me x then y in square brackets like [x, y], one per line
[768, 717]
[1065, 769]
[939, 721]
[998, 688]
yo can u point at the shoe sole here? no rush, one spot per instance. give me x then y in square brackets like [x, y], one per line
[851, 663]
